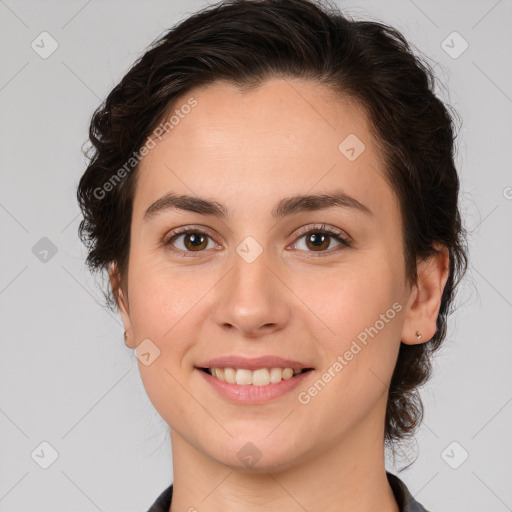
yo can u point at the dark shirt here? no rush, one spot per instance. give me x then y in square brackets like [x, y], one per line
[406, 502]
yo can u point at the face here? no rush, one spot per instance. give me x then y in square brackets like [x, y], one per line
[319, 283]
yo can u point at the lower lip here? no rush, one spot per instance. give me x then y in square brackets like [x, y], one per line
[251, 394]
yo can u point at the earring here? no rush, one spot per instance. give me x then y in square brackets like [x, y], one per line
[125, 337]
[418, 335]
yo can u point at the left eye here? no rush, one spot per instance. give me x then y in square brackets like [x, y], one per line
[318, 240]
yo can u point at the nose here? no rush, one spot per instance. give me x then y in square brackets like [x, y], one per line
[252, 299]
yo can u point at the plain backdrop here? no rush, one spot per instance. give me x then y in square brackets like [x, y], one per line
[66, 378]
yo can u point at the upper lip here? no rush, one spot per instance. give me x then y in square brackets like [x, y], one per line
[234, 361]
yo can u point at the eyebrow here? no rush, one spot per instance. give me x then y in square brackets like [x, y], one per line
[284, 207]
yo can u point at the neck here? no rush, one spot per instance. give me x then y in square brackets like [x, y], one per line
[349, 476]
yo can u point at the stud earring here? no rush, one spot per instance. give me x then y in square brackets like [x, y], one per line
[418, 335]
[125, 337]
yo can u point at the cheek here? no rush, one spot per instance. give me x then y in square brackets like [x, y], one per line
[346, 300]
[358, 314]
[169, 307]
[161, 297]
[163, 307]
[359, 346]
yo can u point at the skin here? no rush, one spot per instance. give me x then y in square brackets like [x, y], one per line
[248, 151]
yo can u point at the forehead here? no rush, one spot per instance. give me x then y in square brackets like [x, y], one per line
[285, 137]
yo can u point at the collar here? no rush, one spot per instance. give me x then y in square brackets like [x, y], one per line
[405, 500]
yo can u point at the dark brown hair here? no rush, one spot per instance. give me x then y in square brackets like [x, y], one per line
[246, 42]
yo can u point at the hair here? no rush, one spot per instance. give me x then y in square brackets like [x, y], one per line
[245, 43]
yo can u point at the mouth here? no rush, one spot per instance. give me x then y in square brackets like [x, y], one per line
[257, 377]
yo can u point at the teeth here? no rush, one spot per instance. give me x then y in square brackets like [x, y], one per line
[243, 376]
[229, 375]
[259, 377]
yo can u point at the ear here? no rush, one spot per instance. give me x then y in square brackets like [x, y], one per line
[425, 297]
[122, 304]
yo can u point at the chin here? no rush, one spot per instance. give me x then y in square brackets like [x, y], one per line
[253, 457]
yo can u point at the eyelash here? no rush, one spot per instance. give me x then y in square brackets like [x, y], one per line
[320, 229]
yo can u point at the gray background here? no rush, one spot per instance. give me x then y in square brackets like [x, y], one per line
[66, 376]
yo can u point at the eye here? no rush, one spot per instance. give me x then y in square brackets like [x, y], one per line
[193, 240]
[318, 239]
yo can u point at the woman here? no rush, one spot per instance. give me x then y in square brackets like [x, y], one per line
[273, 193]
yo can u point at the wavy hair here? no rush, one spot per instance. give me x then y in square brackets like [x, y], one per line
[246, 42]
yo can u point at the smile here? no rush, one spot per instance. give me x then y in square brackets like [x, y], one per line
[251, 387]
[258, 377]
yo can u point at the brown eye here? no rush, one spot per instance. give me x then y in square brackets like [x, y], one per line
[319, 240]
[195, 241]
[189, 240]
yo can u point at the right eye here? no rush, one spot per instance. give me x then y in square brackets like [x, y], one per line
[193, 240]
